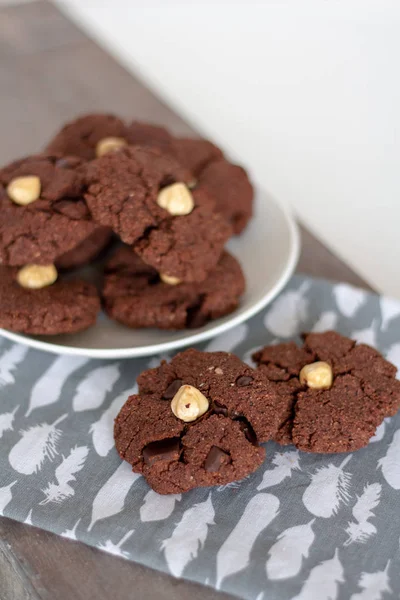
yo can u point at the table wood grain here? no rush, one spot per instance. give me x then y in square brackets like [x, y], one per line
[50, 72]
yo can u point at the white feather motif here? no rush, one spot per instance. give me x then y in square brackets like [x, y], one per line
[390, 463]
[71, 533]
[285, 316]
[285, 463]
[361, 529]
[326, 322]
[102, 430]
[373, 585]
[234, 554]
[188, 536]
[47, 389]
[93, 389]
[109, 546]
[349, 299]
[286, 555]
[9, 361]
[110, 499]
[28, 520]
[5, 496]
[328, 489]
[379, 432]
[228, 341]
[36, 444]
[70, 465]
[390, 309]
[156, 507]
[322, 582]
[247, 356]
[7, 420]
[393, 355]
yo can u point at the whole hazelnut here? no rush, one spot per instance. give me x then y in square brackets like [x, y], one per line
[189, 403]
[176, 199]
[317, 376]
[35, 277]
[109, 144]
[24, 190]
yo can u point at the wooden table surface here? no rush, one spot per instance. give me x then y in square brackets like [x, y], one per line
[50, 72]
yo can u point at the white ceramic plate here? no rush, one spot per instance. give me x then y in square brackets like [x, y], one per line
[268, 252]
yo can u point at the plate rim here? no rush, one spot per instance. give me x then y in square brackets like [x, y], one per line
[163, 347]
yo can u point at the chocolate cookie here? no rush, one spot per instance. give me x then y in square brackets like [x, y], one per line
[85, 252]
[197, 421]
[142, 194]
[150, 135]
[336, 392]
[196, 154]
[43, 211]
[63, 307]
[83, 136]
[134, 294]
[230, 187]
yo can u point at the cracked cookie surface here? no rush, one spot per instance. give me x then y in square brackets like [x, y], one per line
[220, 446]
[122, 193]
[64, 307]
[56, 222]
[81, 136]
[133, 293]
[344, 417]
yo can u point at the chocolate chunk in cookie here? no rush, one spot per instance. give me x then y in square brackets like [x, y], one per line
[43, 211]
[336, 391]
[229, 185]
[142, 194]
[89, 135]
[175, 433]
[60, 307]
[134, 294]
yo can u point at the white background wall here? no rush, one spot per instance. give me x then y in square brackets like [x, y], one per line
[304, 92]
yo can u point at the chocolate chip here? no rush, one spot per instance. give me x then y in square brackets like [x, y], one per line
[220, 409]
[216, 458]
[243, 381]
[162, 450]
[172, 389]
[248, 431]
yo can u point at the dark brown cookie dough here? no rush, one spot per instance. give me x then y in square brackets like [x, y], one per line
[218, 447]
[133, 293]
[344, 417]
[230, 187]
[85, 252]
[196, 154]
[53, 224]
[150, 135]
[64, 307]
[81, 136]
[122, 193]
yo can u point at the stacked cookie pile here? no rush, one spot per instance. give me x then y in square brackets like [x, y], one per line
[167, 206]
[199, 420]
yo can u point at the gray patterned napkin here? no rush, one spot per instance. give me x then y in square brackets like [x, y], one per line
[302, 527]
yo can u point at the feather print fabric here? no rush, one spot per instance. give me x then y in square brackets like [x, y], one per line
[302, 527]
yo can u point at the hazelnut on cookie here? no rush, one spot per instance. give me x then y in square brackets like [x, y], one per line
[145, 197]
[337, 392]
[43, 212]
[197, 421]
